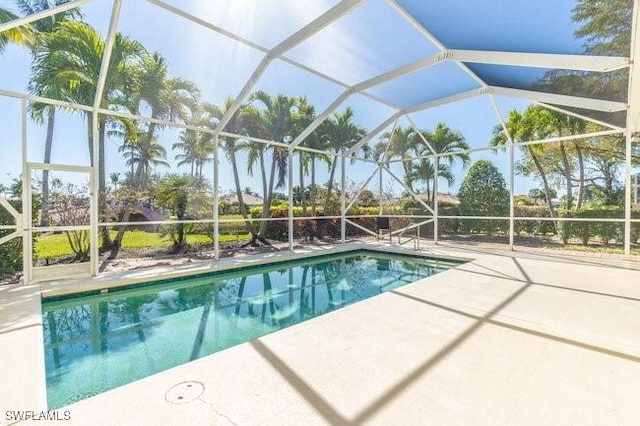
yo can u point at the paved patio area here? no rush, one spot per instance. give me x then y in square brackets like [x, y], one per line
[509, 338]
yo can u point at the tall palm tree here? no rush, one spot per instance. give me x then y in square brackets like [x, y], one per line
[443, 140]
[303, 115]
[143, 157]
[246, 120]
[169, 99]
[38, 110]
[70, 58]
[523, 127]
[278, 118]
[188, 147]
[554, 123]
[341, 133]
[316, 141]
[424, 171]
[402, 143]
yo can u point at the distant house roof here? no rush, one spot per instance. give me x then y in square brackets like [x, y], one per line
[250, 200]
[443, 198]
[148, 214]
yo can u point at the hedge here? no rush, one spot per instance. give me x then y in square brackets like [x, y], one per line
[606, 232]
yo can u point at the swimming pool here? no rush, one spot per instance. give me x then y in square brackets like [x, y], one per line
[94, 343]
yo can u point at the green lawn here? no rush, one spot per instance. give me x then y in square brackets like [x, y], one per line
[57, 245]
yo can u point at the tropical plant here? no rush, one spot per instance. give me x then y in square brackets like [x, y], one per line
[22, 35]
[277, 115]
[402, 143]
[39, 110]
[303, 115]
[169, 99]
[71, 204]
[143, 156]
[174, 192]
[246, 120]
[523, 127]
[70, 59]
[443, 140]
[341, 134]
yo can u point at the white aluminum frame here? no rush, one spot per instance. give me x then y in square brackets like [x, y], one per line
[40, 273]
[344, 7]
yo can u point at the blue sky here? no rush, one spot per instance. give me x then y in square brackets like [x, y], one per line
[370, 41]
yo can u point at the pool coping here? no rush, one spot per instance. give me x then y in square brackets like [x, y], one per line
[155, 274]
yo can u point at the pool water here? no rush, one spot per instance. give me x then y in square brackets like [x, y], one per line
[99, 342]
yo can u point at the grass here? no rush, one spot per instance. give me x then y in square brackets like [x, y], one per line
[57, 245]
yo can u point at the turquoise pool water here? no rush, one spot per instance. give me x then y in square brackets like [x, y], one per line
[98, 342]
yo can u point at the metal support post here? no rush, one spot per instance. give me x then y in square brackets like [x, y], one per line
[27, 231]
[290, 214]
[343, 202]
[436, 165]
[216, 198]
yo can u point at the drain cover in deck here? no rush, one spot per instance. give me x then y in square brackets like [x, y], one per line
[184, 392]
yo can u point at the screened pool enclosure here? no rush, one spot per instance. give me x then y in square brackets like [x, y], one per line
[150, 129]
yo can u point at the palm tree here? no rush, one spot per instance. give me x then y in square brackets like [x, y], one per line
[22, 35]
[188, 145]
[114, 177]
[424, 171]
[144, 157]
[70, 58]
[302, 118]
[168, 98]
[278, 125]
[38, 111]
[341, 133]
[173, 192]
[315, 141]
[443, 140]
[523, 127]
[554, 123]
[402, 143]
[246, 120]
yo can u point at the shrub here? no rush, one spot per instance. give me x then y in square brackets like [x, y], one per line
[586, 231]
[483, 192]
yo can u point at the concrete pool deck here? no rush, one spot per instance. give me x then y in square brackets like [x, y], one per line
[509, 338]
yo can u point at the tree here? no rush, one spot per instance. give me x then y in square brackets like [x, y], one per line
[341, 134]
[277, 115]
[143, 156]
[246, 120]
[402, 143]
[72, 206]
[553, 123]
[523, 127]
[22, 35]
[483, 192]
[38, 110]
[539, 196]
[174, 192]
[303, 115]
[443, 140]
[424, 171]
[605, 29]
[605, 26]
[168, 99]
[70, 58]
